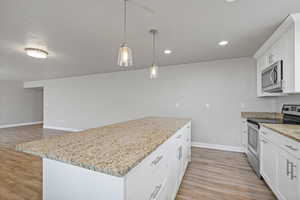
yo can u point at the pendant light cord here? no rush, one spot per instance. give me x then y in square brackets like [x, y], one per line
[154, 47]
[125, 22]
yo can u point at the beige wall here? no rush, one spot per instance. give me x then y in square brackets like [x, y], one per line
[211, 93]
[19, 105]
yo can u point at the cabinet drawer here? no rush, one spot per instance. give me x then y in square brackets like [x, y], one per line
[148, 183]
[159, 191]
[289, 145]
[269, 134]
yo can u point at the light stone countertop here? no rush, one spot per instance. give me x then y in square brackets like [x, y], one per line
[288, 130]
[262, 115]
[112, 149]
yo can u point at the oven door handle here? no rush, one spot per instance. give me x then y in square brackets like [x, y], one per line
[253, 126]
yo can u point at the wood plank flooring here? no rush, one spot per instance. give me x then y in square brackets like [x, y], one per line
[220, 175]
[212, 175]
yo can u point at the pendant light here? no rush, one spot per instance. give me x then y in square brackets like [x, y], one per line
[154, 67]
[125, 53]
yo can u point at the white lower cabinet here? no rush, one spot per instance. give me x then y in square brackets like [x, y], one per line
[244, 128]
[158, 177]
[280, 161]
[288, 177]
[268, 163]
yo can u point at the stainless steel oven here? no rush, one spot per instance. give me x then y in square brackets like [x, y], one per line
[291, 115]
[271, 78]
[253, 147]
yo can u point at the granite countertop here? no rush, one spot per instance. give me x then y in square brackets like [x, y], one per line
[112, 149]
[288, 130]
[263, 115]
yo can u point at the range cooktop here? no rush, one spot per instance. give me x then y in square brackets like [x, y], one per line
[291, 115]
[272, 121]
[267, 121]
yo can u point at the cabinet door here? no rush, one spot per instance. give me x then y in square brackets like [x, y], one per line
[259, 67]
[244, 135]
[288, 63]
[277, 52]
[187, 145]
[174, 170]
[288, 176]
[268, 159]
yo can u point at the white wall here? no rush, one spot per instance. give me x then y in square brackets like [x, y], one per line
[292, 99]
[19, 105]
[211, 93]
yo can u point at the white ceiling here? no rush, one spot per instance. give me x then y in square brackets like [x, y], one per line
[83, 37]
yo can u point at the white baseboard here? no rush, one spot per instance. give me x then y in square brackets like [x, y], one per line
[20, 124]
[63, 128]
[217, 146]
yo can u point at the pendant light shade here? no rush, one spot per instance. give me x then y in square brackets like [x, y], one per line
[154, 67]
[125, 54]
[153, 71]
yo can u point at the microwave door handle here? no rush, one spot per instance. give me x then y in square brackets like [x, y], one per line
[271, 77]
[275, 75]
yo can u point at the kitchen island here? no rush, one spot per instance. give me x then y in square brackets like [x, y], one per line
[134, 160]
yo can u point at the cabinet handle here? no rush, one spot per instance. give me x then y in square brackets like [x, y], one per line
[264, 133]
[180, 153]
[288, 167]
[157, 160]
[264, 141]
[291, 148]
[155, 192]
[292, 171]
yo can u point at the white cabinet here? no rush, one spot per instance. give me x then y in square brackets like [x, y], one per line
[162, 171]
[288, 176]
[280, 158]
[180, 156]
[283, 45]
[268, 161]
[244, 129]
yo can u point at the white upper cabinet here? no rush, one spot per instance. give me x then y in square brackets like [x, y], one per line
[284, 44]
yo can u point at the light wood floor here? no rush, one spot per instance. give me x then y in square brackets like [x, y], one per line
[212, 175]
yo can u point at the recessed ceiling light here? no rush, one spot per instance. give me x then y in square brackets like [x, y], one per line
[36, 53]
[230, 1]
[167, 51]
[223, 43]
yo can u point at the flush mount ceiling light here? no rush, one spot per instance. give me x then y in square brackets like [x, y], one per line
[223, 43]
[125, 53]
[167, 51]
[36, 53]
[154, 67]
[230, 1]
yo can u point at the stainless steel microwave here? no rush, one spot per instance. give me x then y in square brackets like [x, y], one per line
[272, 78]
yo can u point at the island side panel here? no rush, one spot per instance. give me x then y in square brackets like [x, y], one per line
[68, 182]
